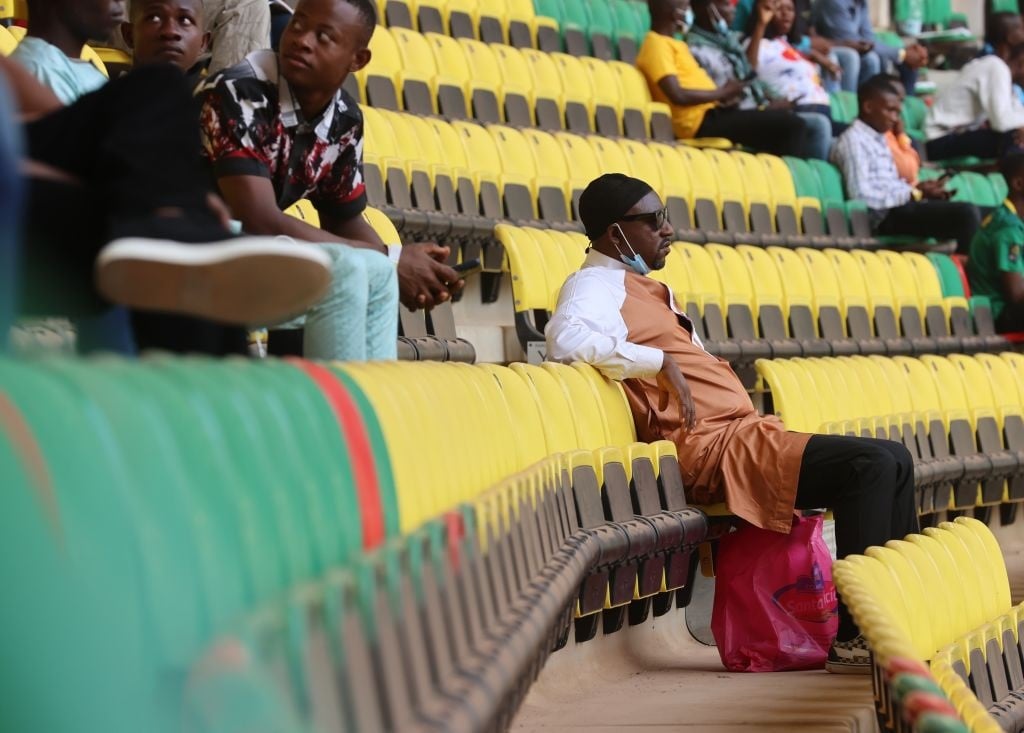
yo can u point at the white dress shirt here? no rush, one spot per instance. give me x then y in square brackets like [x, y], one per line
[587, 324]
[863, 155]
[983, 91]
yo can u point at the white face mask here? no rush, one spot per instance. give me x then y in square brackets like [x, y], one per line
[636, 262]
[720, 25]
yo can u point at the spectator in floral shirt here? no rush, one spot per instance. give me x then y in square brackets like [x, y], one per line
[277, 128]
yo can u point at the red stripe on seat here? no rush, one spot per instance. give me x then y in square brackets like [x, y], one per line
[353, 431]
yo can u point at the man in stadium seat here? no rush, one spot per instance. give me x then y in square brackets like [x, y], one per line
[117, 203]
[896, 207]
[978, 114]
[57, 32]
[719, 51]
[847, 23]
[168, 31]
[700, 107]
[237, 28]
[629, 326]
[996, 264]
[278, 128]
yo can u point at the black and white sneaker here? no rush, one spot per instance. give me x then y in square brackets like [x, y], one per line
[243, 281]
[849, 657]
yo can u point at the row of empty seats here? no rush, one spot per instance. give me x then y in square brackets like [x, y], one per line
[286, 542]
[605, 29]
[461, 79]
[437, 178]
[959, 416]
[751, 302]
[911, 611]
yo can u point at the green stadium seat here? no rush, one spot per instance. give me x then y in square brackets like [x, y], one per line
[601, 29]
[575, 22]
[628, 30]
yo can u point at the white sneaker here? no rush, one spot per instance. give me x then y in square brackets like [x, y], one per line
[849, 657]
[244, 281]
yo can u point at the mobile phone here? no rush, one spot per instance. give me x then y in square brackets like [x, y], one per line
[467, 268]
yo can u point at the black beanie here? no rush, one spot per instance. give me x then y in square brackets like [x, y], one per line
[607, 199]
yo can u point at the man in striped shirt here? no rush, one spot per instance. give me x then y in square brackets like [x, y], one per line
[870, 174]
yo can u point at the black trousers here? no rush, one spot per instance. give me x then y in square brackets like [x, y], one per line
[134, 147]
[943, 219]
[869, 486]
[977, 143]
[771, 131]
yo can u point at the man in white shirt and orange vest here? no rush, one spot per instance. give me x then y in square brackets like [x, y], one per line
[629, 326]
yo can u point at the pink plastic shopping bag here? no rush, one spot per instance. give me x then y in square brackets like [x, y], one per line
[775, 604]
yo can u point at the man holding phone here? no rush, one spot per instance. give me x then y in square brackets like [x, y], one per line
[897, 208]
[700, 107]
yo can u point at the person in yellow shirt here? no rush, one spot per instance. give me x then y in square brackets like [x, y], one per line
[701, 108]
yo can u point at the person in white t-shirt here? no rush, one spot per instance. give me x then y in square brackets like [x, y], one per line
[788, 73]
[979, 114]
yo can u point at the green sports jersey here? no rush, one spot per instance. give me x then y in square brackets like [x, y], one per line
[996, 249]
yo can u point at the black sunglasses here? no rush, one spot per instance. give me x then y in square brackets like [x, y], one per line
[655, 219]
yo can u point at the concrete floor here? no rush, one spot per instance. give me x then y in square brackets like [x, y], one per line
[656, 677]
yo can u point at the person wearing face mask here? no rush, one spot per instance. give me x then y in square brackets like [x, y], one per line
[629, 327]
[700, 106]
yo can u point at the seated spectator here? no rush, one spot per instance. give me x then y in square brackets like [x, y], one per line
[718, 50]
[700, 107]
[114, 189]
[168, 31]
[278, 128]
[630, 327]
[847, 23]
[809, 42]
[996, 264]
[118, 12]
[237, 28]
[57, 32]
[904, 154]
[897, 208]
[979, 114]
[788, 74]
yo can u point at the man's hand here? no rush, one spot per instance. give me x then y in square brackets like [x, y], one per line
[731, 92]
[934, 190]
[916, 57]
[861, 47]
[423, 279]
[832, 67]
[765, 12]
[673, 384]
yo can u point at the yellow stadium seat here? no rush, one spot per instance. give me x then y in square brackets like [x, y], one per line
[17, 31]
[484, 162]
[611, 157]
[641, 117]
[552, 174]
[529, 439]
[587, 414]
[487, 95]
[559, 429]
[607, 96]
[533, 296]
[304, 211]
[518, 86]
[618, 417]
[577, 91]
[584, 165]
[7, 42]
[463, 18]
[89, 54]
[380, 82]
[548, 93]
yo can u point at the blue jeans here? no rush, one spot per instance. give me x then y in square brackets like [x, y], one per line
[358, 318]
[849, 61]
[818, 137]
[10, 213]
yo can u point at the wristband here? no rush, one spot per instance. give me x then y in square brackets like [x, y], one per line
[394, 252]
